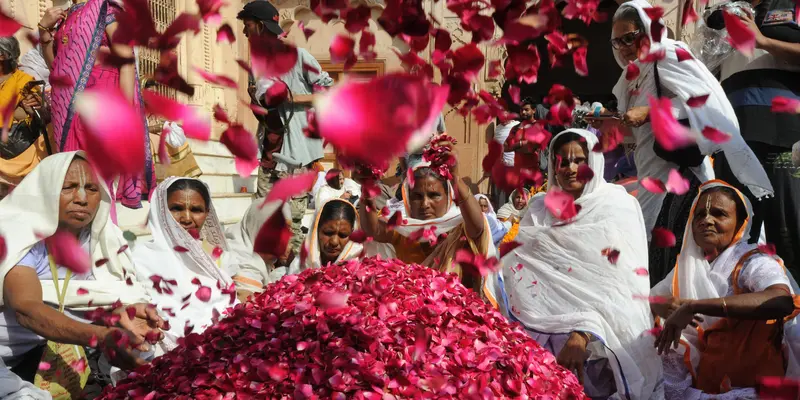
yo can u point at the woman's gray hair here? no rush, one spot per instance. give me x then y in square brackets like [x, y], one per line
[630, 14]
[9, 46]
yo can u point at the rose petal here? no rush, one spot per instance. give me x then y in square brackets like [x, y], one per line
[663, 237]
[203, 293]
[611, 254]
[740, 36]
[585, 174]
[242, 144]
[215, 79]
[277, 93]
[669, 133]
[697, 101]
[307, 32]
[342, 49]
[8, 26]
[514, 92]
[289, 187]
[507, 247]
[44, 366]
[195, 124]
[579, 61]
[632, 71]
[112, 123]
[68, 253]
[641, 271]
[560, 204]
[778, 388]
[3, 248]
[782, 104]
[683, 54]
[768, 249]
[677, 183]
[82, 291]
[273, 237]
[653, 185]
[225, 34]
[358, 236]
[715, 135]
[689, 15]
[271, 57]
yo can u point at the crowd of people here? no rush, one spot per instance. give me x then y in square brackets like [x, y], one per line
[707, 316]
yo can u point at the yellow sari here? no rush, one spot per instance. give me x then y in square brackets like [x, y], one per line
[12, 171]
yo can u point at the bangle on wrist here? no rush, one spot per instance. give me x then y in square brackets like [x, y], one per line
[42, 28]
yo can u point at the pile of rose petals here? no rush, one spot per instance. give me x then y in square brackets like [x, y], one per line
[367, 329]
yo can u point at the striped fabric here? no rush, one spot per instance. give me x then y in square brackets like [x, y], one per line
[85, 31]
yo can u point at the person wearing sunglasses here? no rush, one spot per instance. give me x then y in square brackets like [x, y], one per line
[667, 70]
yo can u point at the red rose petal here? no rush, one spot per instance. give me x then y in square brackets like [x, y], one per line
[195, 124]
[203, 293]
[242, 144]
[585, 173]
[8, 26]
[682, 54]
[82, 291]
[216, 79]
[560, 204]
[611, 254]
[273, 236]
[225, 34]
[271, 57]
[782, 104]
[579, 61]
[632, 71]
[768, 249]
[68, 253]
[669, 133]
[180, 249]
[653, 185]
[663, 237]
[677, 183]
[715, 135]
[697, 101]
[287, 188]
[740, 36]
[507, 247]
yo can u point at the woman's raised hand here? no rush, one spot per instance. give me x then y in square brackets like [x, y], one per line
[52, 16]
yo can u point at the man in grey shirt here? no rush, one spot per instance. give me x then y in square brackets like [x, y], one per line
[285, 149]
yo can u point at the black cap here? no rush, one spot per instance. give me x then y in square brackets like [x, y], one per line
[264, 11]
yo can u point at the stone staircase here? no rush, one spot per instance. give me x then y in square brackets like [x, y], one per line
[219, 173]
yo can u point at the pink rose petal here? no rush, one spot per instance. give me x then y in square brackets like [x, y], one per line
[768, 249]
[203, 293]
[561, 204]
[82, 291]
[513, 91]
[44, 366]
[663, 237]
[632, 71]
[740, 36]
[579, 61]
[3, 248]
[68, 253]
[778, 388]
[273, 236]
[225, 34]
[242, 144]
[342, 50]
[669, 133]
[689, 15]
[585, 174]
[112, 123]
[287, 188]
[782, 104]
[676, 183]
[507, 247]
[715, 135]
[271, 57]
[697, 101]
[641, 271]
[8, 26]
[195, 124]
[683, 54]
[653, 185]
[215, 79]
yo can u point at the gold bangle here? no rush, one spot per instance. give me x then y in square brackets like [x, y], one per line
[724, 307]
[41, 27]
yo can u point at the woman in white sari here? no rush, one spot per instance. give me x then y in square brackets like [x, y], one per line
[430, 212]
[718, 303]
[329, 239]
[243, 234]
[188, 261]
[574, 284]
[511, 212]
[63, 194]
[498, 228]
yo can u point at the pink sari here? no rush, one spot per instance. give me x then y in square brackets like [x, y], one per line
[85, 32]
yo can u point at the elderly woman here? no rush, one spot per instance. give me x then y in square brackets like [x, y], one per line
[721, 304]
[676, 76]
[62, 194]
[573, 284]
[329, 240]
[432, 211]
[26, 147]
[498, 228]
[336, 187]
[512, 211]
[189, 268]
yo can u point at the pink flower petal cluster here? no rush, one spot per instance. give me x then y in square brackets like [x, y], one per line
[367, 329]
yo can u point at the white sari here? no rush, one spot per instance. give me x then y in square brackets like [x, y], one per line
[683, 80]
[695, 278]
[351, 250]
[159, 258]
[252, 276]
[559, 281]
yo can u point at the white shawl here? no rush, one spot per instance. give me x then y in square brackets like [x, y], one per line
[559, 281]
[350, 251]
[508, 210]
[159, 258]
[698, 279]
[684, 80]
[31, 211]
[243, 234]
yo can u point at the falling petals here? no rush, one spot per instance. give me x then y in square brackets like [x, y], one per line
[697, 101]
[3, 248]
[8, 26]
[641, 271]
[289, 187]
[477, 262]
[778, 388]
[68, 253]
[632, 71]
[653, 185]
[669, 133]
[507, 247]
[82, 291]
[715, 135]
[113, 123]
[768, 249]
[782, 104]
[215, 79]
[225, 34]
[271, 57]
[683, 54]
[561, 204]
[579, 61]
[273, 237]
[740, 36]
[689, 15]
[611, 254]
[203, 293]
[677, 183]
[342, 50]
[585, 173]
[195, 124]
[514, 92]
[358, 236]
[242, 144]
[663, 237]
[180, 249]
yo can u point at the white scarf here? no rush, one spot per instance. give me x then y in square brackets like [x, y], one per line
[698, 279]
[559, 281]
[31, 211]
[684, 79]
[508, 210]
[350, 251]
[243, 234]
[159, 257]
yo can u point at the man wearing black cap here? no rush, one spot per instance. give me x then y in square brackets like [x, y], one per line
[285, 148]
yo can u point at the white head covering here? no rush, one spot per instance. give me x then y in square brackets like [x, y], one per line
[508, 210]
[314, 260]
[559, 280]
[159, 257]
[31, 211]
[687, 79]
[243, 234]
[695, 278]
[491, 212]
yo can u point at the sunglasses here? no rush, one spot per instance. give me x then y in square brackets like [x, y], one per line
[625, 40]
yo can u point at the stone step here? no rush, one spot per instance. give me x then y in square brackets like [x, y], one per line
[227, 183]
